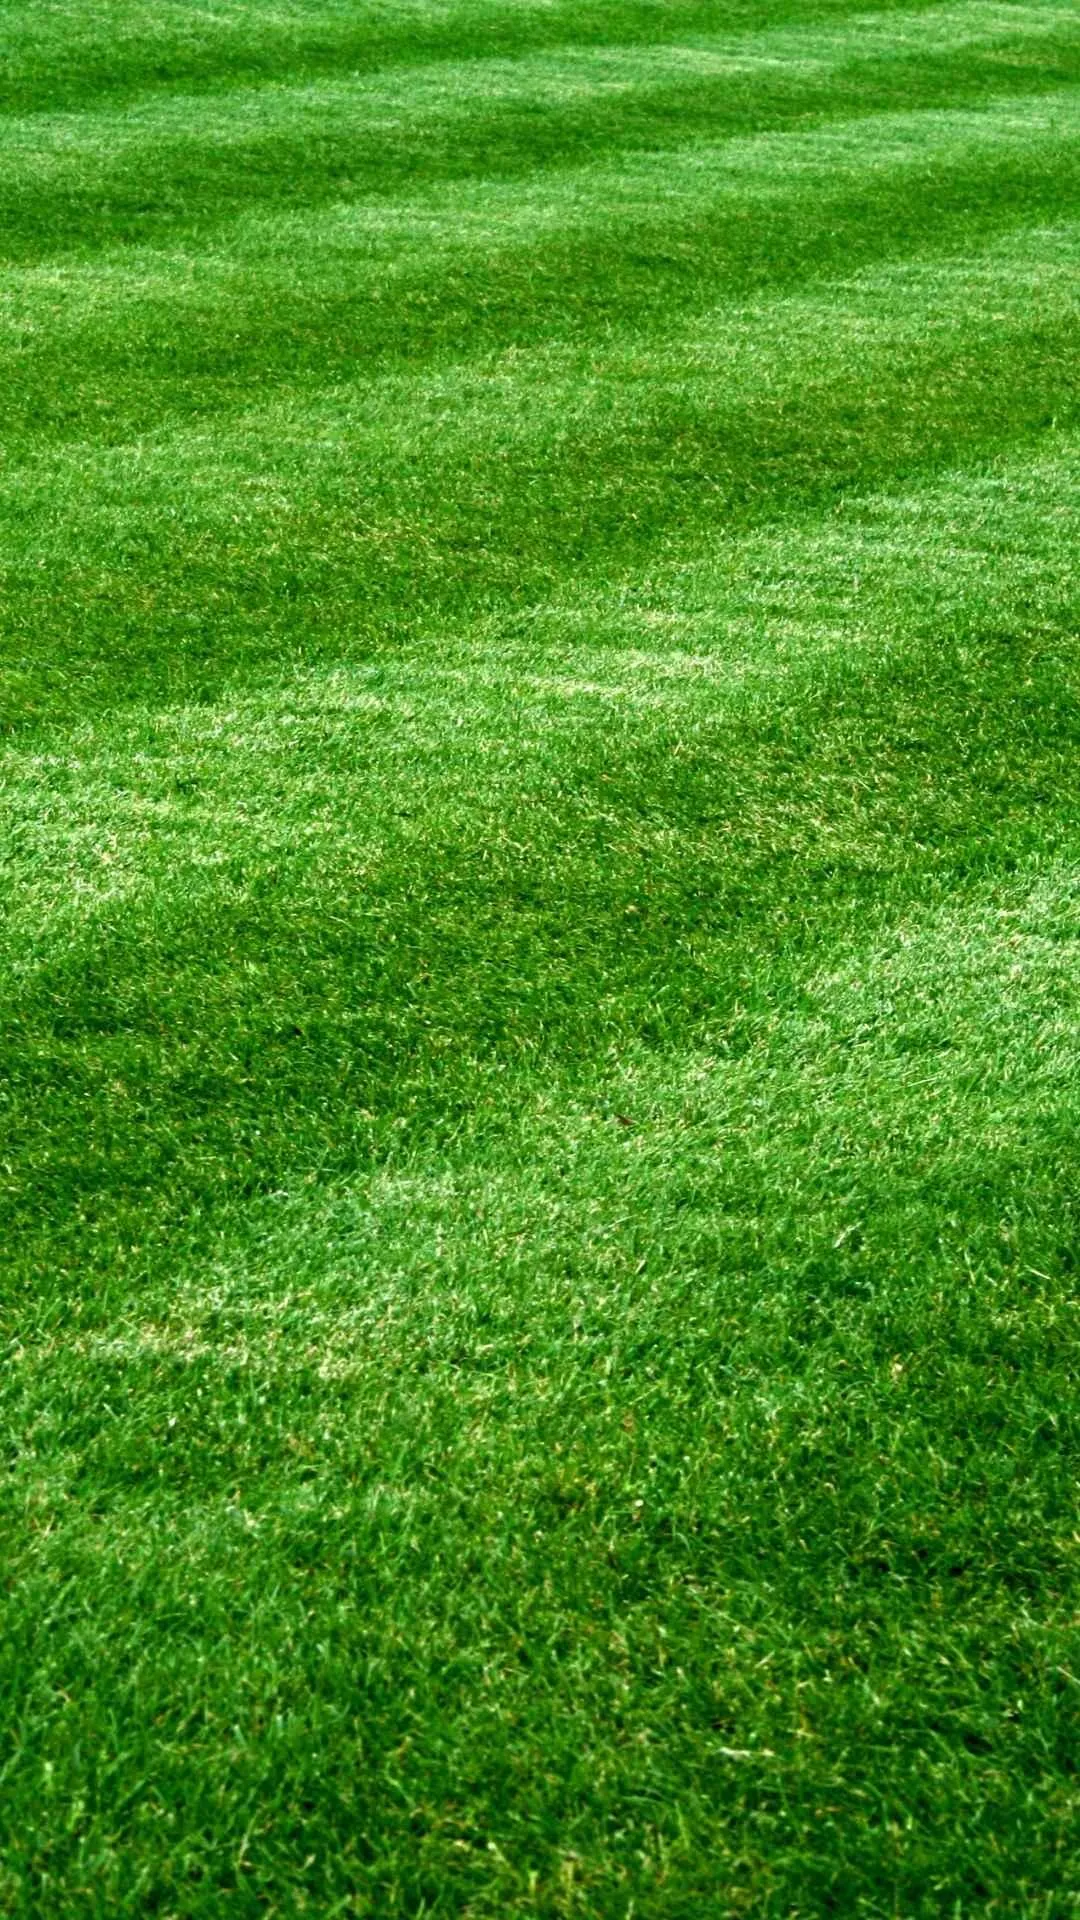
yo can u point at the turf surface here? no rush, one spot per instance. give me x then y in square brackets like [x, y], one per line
[540, 860]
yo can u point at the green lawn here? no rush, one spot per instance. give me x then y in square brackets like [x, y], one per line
[540, 866]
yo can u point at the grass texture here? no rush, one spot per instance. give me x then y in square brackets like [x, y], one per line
[540, 957]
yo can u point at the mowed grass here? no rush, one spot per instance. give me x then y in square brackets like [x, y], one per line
[540, 865]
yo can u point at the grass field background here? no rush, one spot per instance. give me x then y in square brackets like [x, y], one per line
[540, 865]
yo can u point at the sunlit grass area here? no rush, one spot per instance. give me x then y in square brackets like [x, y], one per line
[540, 868]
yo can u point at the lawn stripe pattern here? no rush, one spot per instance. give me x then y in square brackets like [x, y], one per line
[73, 53]
[539, 910]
